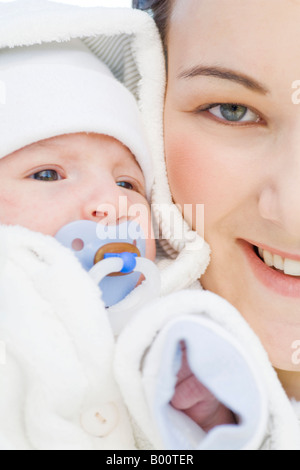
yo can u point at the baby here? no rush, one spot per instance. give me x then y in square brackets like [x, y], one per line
[78, 146]
[76, 119]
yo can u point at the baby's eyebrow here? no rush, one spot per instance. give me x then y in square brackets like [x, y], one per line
[225, 74]
[51, 143]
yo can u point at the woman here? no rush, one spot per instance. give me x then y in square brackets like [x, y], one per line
[232, 143]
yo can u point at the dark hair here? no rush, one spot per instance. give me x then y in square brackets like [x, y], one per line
[160, 10]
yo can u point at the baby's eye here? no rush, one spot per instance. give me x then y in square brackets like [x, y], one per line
[46, 175]
[233, 113]
[125, 184]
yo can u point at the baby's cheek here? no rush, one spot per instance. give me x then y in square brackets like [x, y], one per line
[31, 212]
[12, 209]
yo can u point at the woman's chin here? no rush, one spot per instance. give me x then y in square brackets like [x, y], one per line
[272, 312]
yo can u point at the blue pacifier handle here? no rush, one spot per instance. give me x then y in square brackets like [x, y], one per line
[85, 238]
[129, 260]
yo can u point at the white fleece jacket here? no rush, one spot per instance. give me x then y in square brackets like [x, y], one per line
[56, 385]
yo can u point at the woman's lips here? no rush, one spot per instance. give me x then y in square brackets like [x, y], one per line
[279, 282]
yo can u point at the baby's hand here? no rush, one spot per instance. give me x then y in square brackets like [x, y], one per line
[193, 399]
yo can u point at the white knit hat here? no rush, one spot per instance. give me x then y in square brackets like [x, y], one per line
[63, 88]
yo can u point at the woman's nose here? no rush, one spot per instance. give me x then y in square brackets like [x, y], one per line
[279, 200]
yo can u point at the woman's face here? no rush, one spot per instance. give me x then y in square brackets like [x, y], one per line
[232, 129]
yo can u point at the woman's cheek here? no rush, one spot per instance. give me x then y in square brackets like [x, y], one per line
[198, 175]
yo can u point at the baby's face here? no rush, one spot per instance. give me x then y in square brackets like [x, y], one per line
[73, 177]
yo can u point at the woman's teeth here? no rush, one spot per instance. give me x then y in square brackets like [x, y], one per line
[288, 266]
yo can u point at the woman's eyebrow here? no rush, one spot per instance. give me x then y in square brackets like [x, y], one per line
[224, 74]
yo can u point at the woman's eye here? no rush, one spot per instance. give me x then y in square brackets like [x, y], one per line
[125, 184]
[46, 175]
[233, 113]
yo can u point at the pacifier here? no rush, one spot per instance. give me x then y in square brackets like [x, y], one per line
[113, 255]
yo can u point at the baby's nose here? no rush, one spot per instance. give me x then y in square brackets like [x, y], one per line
[106, 205]
[97, 214]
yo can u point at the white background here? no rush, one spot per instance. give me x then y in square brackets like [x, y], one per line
[90, 3]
